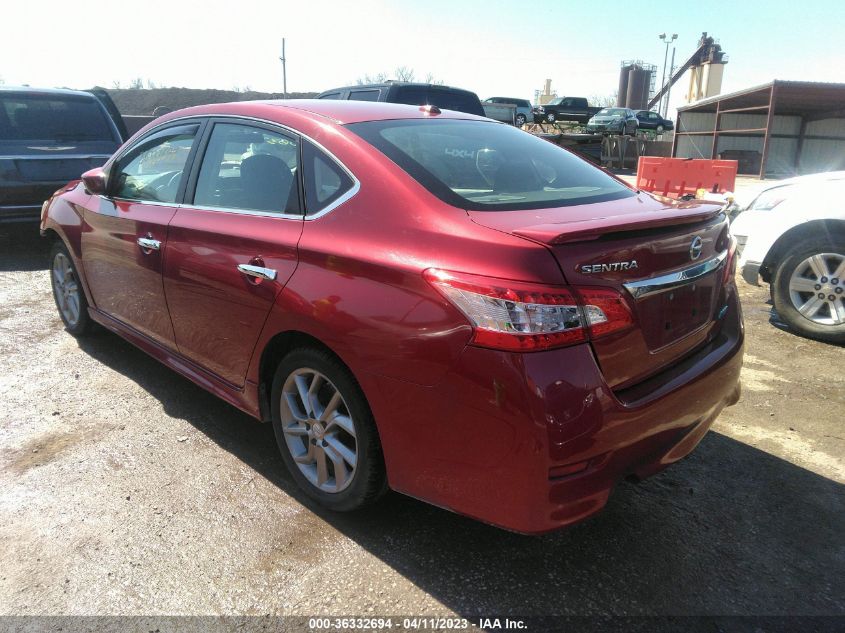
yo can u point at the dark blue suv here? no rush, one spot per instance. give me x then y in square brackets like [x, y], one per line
[48, 137]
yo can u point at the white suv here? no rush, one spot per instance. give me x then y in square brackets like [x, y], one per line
[792, 236]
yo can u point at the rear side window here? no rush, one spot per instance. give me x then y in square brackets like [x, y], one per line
[249, 168]
[489, 167]
[364, 95]
[52, 118]
[458, 100]
[153, 169]
[331, 95]
[326, 183]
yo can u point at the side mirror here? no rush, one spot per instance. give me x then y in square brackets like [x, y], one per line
[95, 181]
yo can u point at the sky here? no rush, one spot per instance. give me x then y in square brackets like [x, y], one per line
[493, 48]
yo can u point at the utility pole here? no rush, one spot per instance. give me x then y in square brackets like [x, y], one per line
[669, 89]
[666, 40]
[285, 72]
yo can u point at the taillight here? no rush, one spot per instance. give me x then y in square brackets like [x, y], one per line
[519, 316]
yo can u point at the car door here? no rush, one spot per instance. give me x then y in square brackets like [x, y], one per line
[123, 244]
[232, 244]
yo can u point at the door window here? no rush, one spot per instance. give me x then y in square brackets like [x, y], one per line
[326, 182]
[249, 168]
[154, 168]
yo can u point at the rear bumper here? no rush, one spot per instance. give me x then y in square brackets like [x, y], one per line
[535, 442]
[20, 213]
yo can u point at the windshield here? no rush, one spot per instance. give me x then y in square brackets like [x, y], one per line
[611, 112]
[25, 117]
[488, 166]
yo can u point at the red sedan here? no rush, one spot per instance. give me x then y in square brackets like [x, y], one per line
[418, 300]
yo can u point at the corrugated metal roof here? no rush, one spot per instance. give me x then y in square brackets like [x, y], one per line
[792, 97]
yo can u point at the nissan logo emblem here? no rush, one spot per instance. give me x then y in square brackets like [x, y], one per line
[695, 247]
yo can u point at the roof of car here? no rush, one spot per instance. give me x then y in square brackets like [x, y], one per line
[338, 111]
[393, 82]
[47, 91]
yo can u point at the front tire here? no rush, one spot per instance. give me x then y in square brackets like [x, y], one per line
[550, 117]
[67, 291]
[808, 288]
[325, 431]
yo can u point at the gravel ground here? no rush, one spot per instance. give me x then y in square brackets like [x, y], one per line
[125, 489]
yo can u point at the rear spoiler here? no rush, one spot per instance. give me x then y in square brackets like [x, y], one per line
[594, 228]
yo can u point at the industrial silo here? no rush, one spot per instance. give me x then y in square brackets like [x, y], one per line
[639, 80]
[622, 92]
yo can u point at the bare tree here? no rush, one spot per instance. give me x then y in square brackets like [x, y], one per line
[429, 79]
[136, 84]
[401, 73]
[404, 73]
[378, 78]
[151, 85]
[603, 101]
[116, 84]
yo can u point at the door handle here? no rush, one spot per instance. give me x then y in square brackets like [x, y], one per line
[257, 271]
[149, 244]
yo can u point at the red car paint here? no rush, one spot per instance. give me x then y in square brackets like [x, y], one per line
[527, 440]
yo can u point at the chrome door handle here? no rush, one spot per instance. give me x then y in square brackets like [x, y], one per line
[257, 271]
[149, 244]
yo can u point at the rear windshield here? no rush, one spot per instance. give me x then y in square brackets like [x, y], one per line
[459, 100]
[52, 118]
[486, 166]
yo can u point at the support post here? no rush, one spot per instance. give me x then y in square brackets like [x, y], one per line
[675, 135]
[716, 130]
[769, 118]
[797, 164]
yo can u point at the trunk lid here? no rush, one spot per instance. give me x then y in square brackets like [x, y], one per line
[639, 239]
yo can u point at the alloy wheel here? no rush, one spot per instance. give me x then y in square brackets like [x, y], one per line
[66, 289]
[817, 288]
[319, 430]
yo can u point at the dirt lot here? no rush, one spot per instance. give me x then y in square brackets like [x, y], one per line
[125, 489]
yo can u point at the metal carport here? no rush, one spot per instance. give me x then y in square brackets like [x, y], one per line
[781, 128]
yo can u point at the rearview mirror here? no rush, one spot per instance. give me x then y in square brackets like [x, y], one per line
[95, 181]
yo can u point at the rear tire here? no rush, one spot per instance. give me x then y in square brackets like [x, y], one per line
[520, 120]
[659, 129]
[809, 274]
[325, 431]
[67, 291]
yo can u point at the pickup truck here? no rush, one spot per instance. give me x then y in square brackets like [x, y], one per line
[568, 109]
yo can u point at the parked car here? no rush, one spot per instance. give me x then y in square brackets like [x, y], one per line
[416, 299]
[524, 109]
[568, 109]
[412, 94]
[502, 112]
[792, 236]
[648, 120]
[48, 137]
[613, 120]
